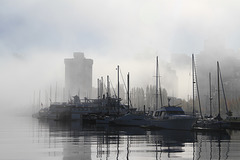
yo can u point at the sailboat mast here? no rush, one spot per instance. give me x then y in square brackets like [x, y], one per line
[108, 87]
[198, 94]
[101, 89]
[128, 89]
[160, 91]
[157, 83]
[210, 94]
[98, 88]
[218, 82]
[193, 83]
[225, 100]
[224, 95]
[118, 102]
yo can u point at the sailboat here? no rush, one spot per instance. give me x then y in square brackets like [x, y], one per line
[132, 118]
[167, 117]
[217, 122]
[170, 117]
[233, 121]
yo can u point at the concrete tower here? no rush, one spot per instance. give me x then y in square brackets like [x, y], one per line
[78, 75]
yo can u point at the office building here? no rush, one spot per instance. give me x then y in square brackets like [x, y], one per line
[78, 75]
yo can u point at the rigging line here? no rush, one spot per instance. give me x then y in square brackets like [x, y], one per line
[104, 85]
[218, 81]
[123, 80]
[210, 94]
[160, 89]
[198, 94]
[199, 101]
[112, 87]
[193, 81]
[223, 90]
[125, 87]
[130, 100]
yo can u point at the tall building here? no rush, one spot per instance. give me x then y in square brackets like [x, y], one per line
[78, 75]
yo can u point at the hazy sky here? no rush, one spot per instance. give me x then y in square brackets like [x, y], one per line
[36, 35]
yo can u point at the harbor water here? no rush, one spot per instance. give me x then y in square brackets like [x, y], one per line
[26, 138]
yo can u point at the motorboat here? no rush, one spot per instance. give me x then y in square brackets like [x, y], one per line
[171, 117]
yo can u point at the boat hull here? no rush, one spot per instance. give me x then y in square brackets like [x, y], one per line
[178, 124]
[131, 120]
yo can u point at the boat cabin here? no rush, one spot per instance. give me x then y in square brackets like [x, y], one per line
[165, 112]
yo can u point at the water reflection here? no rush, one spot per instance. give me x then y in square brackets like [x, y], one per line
[212, 145]
[84, 141]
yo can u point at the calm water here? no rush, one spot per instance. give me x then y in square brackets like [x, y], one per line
[25, 138]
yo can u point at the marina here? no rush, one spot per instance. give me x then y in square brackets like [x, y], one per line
[110, 111]
[107, 128]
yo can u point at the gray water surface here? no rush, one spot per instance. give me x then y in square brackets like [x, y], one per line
[26, 138]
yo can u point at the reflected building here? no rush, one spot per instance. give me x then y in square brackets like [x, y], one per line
[78, 75]
[77, 149]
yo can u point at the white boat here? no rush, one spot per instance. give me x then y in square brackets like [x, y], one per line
[171, 117]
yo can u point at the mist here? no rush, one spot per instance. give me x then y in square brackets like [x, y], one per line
[36, 37]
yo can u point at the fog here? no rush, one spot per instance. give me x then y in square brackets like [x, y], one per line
[36, 36]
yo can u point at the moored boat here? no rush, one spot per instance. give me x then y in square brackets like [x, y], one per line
[211, 124]
[233, 121]
[171, 117]
[132, 119]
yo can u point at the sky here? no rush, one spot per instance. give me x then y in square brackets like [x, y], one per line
[36, 36]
